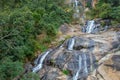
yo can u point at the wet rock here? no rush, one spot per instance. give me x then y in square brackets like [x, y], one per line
[96, 30]
[106, 28]
[94, 26]
[91, 26]
[88, 59]
[115, 44]
[83, 43]
[68, 60]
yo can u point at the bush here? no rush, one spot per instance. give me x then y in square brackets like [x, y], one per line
[21, 21]
[9, 69]
[116, 13]
[16, 38]
[101, 11]
[106, 10]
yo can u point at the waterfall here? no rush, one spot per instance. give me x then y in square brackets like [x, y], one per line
[71, 43]
[77, 74]
[85, 64]
[39, 66]
[76, 5]
[90, 26]
[85, 70]
[78, 11]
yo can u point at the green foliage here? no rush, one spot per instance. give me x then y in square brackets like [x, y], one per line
[88, 4]
[66, 72]
[16, 38]
[21, 21]
[116, 13]
[9, 69]
[102, 11]
[113, 3]
[109, 9]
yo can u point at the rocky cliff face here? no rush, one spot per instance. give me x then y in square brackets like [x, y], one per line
[109, 68]
[83, 57]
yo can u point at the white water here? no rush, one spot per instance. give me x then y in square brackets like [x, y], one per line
[90, 26]
[61, 45]
[39, 66]
[71, 44]
[76, 6]
[77, 74]
[76, 3]
[85, 64]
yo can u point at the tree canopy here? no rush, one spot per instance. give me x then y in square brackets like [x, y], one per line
[21, 22]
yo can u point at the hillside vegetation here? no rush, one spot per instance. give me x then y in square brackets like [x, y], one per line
[21, 21]
[27, 27]
[107, 9]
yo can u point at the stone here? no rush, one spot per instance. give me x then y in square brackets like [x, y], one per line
[92, 51]
[83, 43]
[109, 68]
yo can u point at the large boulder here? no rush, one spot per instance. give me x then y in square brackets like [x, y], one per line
[87, 58]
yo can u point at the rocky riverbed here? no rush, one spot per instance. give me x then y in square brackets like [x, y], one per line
[81, 57]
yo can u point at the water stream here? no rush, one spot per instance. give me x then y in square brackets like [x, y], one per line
[76, 6]
[76, 3]
[85, 64]
[90, 26]
[39, 66]
[71, 43]
[77, 74]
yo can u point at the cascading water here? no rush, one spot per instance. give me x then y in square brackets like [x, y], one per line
[70, 56]
[76, 3]
[40, 64]
[85, 64]
[71, 43]
[90, 26]
[76, 13]
[77, 74]
[76, 6]
[82, 66]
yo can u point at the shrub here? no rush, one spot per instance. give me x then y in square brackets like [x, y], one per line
[9, 69]
[116, 13]
[106, 10]
[21, 21]
[66, 72]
